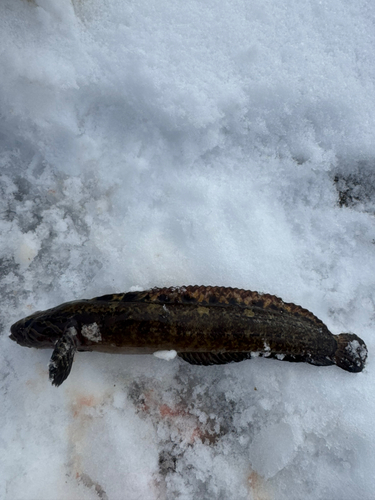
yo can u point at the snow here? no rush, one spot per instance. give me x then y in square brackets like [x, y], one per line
[355, 349]
[92, 332]
[166, 355]
[157, 143]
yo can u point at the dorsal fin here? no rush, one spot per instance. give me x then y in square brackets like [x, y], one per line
[119, 297]
[225, 296]
[211, 295]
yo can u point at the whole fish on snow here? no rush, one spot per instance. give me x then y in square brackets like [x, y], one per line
[204, 325]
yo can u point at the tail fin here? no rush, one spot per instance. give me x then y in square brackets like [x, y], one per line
[351, 352]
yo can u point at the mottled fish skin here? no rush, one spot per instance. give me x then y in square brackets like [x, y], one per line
[204, 324]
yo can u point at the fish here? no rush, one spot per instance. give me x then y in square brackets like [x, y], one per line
[202, 325]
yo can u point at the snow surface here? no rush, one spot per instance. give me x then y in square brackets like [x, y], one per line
[167, 143]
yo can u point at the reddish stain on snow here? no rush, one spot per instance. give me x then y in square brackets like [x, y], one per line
[81, 402]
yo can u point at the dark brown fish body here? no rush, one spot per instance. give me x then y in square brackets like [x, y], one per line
[205, 325]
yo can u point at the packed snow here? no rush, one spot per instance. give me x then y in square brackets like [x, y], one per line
[168, 143]
[92, 332]
[166, 355]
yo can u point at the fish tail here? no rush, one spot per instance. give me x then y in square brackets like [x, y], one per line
[351, 353]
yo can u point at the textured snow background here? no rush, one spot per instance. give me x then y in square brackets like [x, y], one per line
[151, 143]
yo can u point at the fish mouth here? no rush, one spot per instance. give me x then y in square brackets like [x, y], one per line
[20, 333]
[12, 336]
[25, 335]
[17, 330]
[30, 332]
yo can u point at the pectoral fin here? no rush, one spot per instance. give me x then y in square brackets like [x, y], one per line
[62, 359]
[210, 358]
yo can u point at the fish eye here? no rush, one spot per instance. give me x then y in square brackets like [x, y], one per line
[28, 322]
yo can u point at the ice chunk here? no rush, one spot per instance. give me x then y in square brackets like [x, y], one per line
[27, 250]
[167, 355]
[273, 449]
[92, 332]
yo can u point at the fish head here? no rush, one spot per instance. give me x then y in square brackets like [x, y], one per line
[37, 330]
